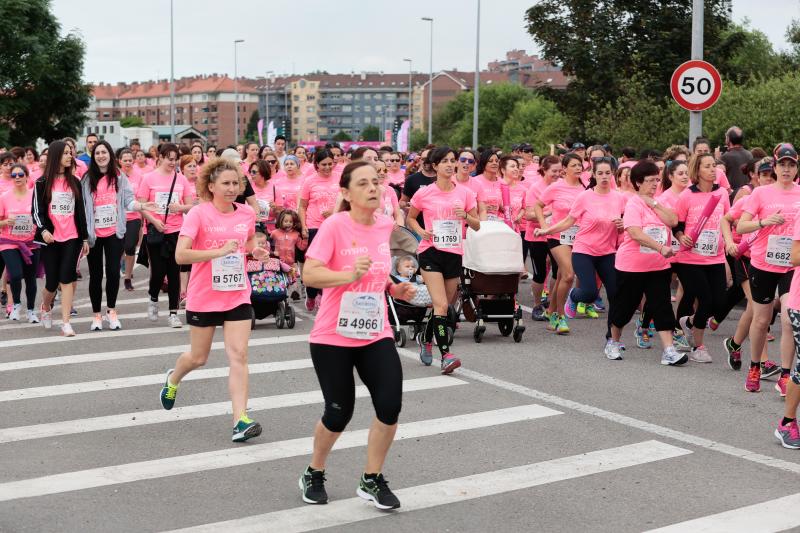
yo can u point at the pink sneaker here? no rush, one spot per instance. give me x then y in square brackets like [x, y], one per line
[753, 382]
[712, 324]
[310, 304]
[780, 386]
[789, 435]
[449, 363]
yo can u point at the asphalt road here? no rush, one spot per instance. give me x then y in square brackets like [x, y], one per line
[544, 435]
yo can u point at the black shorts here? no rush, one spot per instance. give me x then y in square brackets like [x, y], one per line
[207, 319]
[763, 284]
[555, 243]
[446, 263]
[741, 270]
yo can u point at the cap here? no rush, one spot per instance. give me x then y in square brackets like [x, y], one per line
[578, 146]
[765, 165]
[785, 151]
[525, 147]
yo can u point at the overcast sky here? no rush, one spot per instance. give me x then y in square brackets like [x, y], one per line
[129, 41]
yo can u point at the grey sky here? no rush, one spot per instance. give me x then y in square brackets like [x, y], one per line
[127, 43]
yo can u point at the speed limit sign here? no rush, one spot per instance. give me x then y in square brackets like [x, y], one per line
[696, 85]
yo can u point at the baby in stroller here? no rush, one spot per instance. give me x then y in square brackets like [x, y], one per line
[269, 281]
[405, 269]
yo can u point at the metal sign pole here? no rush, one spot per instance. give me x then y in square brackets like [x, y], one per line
[696, 117]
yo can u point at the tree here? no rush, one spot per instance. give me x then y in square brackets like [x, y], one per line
[535, 120]
[748, 53]
[342, 135]
[41, 92]
[132, 121]
[371, 133]
[417, 140]
[251, 133]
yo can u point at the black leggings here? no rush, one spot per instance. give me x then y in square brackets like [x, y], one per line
[587, 268]
[378, 366]
[312, 292]
[111, 247]
[655, 286]
[539, 253]
[61, 262]
[18, 270]
[162, 263]
[706, 283]
[132, 229]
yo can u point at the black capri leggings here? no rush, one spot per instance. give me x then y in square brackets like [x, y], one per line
[162, 263]
[378, 366]
[631, 286]
[61, 262]
[539, 253]
[707, 284]
[312, 292]
[111, 247]
[18, 271]
[132, 229]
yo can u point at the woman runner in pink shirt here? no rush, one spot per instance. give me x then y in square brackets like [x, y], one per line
[391, 206]
[287, 187]
[510, 175]
[487, 185]
[133, 220]
[214, 239]
[467, 162]
[350, 260]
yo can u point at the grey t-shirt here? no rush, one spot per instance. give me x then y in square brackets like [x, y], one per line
[734, 159]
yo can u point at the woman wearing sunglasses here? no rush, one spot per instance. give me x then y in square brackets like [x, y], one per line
[464, 170]
[259, 175]
[395, 175]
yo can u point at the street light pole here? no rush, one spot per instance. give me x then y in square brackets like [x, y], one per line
[236, 89]
[476, 91]
[410, 107]
[430, 87]
[171, 73]
[696, 117]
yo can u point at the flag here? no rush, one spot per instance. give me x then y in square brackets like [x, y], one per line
[402, 136]
[260, 128]
[272, 132]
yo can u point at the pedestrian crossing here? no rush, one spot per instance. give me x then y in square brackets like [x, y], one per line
[460, 442]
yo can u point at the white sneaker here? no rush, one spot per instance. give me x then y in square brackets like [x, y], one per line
[14, 314]
[152, 311]
[688, 334]
[32, 318]
[97, 323]
[613, 350]
[47, 319]
[700, 355]
[174, 322]
[67, 331]
[113, 321]
[671, 357]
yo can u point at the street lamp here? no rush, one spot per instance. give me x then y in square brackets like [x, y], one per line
[430, 87]
[409, 91]
[236, 89]
[476, 91]
[171, 75]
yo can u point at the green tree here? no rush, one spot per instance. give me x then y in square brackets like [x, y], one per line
[748, 53]
[41, 92]
[371, 133]
[251, 133]
[133, 121]
[535, 120]
[417, 140]
[342, 135]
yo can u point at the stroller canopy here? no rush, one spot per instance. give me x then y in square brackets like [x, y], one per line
[495, 249]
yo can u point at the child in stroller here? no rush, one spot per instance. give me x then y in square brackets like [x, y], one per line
[269, 281]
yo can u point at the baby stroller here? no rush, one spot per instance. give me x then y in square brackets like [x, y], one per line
[269, 295]
[405, 315]
[492, 265]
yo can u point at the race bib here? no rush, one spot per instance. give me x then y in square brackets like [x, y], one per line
[676, 246]
[360, 315]
[779, 250]
[707, 243]
[568, 236]
[62, 203]
[263, 209]
[105, 216]
[163, 199]
[23, 225]
[227, 273]
[446, 234]
[658, 234]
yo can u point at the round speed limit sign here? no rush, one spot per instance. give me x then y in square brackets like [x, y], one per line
[696, 85]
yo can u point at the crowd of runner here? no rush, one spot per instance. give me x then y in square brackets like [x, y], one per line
[666, 242]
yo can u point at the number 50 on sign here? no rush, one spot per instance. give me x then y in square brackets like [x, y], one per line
[696, 85]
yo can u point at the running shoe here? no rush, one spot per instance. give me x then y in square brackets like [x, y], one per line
[538, 313]
[700, 355]
[613, 350]
[376, 490]
[168, 392]
[3, 298]
[651, 330]
[47, 318]
[426, 353]
[66, 330]
[173, 321]
[570, 307]
[245, 429]
[182, 302]
[679, 341]
[562, 328]
[312, 486]
[317, 302]
[32, 318]
[599, 305]
[545, 297]
[14, 314]
[9, 308]
[97, 323]
[310, 304]
[769, 369]
[753, 381]
[128, 285]
[780, 386]
[552, 322]
[789, 435]
[671, 357]
[449, 363]
[687, 331]
[712, 324]
[152, 311]
[734, 355]
[113, 320]
[73, 311]
[642, 336]
[591, 312]
[770, 337]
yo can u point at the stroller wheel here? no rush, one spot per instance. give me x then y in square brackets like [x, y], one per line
[400, 338]
[518, 334]
[290, 317]
[253, 323]
[280, 319]
[506, 326]
[477, 333]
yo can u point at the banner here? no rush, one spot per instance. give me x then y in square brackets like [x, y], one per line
[402, 136]
[272, 132]
[260, 129]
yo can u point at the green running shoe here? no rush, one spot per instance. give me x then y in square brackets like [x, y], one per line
[168, 392]
[245, 429]
[591, 312]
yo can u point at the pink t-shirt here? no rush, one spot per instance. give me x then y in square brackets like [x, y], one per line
[23, 228]
[134, 180]
[559, 197]
[265, 197]
[768, 251]
[80, 168]
[722, 179]
[338, 244]
[735, 213]
[633, 257]
[320, 194]
[7, 184]
[105, 196]
[470, 184]
[489, 193]
[62, 211]
[794, 289]
[210, 229]
[287, 191]
[531, 172]
[395, 178]
[532, 196]
[516, 196]
[155, 188]
[594, 214]
[389, 201]
[437, 207]
[709, 247]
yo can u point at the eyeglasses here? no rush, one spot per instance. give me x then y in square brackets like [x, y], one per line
[272, 161]
[467, 160]
[394, 160]
[7, 163]
[604, 159]
[527, 150]
[17, 174]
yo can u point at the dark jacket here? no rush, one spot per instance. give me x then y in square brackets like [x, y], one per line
[41, 214]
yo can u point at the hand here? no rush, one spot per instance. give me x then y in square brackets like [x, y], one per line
[459, 212]
[175, 207]
[775, 219]
[304, 233]
[731, 249]
[686, 241]
[10, 220]
[618, 224]
[426, 235]
[85, 249]
[259, 253]
[229, 247]
[48, 237]
[149, 206]
[403, 291]
[539, 232]
[159, 225]
[326, 214]
[666, 252]
[361, 267]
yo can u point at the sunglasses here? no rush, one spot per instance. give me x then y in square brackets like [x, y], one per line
[272, 161]
[394, 160]
[527, 150]
[468, 160]
[604, 159]
[17, 174]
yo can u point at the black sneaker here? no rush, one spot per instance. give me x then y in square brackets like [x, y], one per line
[312, 485]
[376, 489]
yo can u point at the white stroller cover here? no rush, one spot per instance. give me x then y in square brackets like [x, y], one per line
[495, 249]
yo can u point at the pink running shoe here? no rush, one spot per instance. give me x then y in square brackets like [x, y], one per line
[753, 381]
[789, 435]
[780, 386]
[712, 324]
[449, 363]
